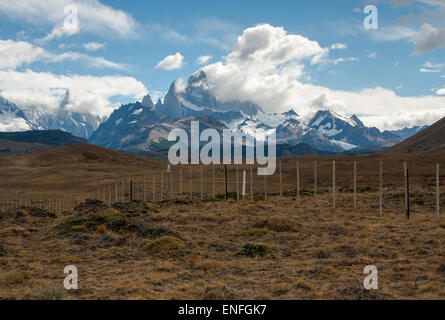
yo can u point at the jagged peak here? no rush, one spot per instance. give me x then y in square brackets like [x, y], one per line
[147, 102]
[357, 121]
[290, 113]
[66, 99]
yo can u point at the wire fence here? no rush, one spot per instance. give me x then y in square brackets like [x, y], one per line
[297, 179]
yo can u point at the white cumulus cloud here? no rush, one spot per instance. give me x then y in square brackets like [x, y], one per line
[203, 59]
[267, 66]
[94, 17]
[15, 54]
[89, 93]
[94, 46]
[172, 62]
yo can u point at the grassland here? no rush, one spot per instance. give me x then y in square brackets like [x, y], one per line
[223, 250]
[216, 249]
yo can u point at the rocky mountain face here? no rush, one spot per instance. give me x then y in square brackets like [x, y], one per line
[144, 126]
[12, 118]
[408, 132]
[348, 132]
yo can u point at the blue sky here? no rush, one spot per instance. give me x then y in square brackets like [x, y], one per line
[392, 77]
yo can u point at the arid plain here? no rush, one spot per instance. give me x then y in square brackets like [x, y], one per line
[282, 248]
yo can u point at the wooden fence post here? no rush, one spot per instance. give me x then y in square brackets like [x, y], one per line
[214, 183]
[281, 180]
[154, 187]
[180, 181]
[237, 183]
[225, 183]
[315, 182]
[405, 174]
[438, 191]
[162, 185]
[145, 188]
[251, 184]
[123, 191]
[298, 181]
[333, 185]
[191, 183]
[202, 185]
[131, 190]
[244, 184]
[355, 184]
[171, 183]
[265, 187]
[381, 190]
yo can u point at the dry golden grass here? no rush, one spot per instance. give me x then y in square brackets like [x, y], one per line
[276, 249]
[226, 250]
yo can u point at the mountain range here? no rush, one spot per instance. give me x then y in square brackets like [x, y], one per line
[14, 118]
[144, 126]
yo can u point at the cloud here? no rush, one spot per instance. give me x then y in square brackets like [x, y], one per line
[94, 17]
[430, 67]
[373, 55]
[429, 39]
[428, 70]
[339, 46]
[15, 54]
[89, 93]
[94, 46]
[203, 59]
[173, 62]
[268, 66]
[426, 39]
[340, 60]
[441, 92]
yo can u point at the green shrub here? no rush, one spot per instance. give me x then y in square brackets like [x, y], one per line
[166, 246]
[49, 294]
[12, 278]
[256, 250]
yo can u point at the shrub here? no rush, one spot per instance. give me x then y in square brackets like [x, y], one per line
[322, 254]
[208, 265]
[259, 197]
[79, 229]
[3, 251]
[101, 229]
[256, 250]
[166, 246]
[357, 292]
[217, 293]
[255, 233]
[49, 294]
[12, 278]
[442, 267]
[111, 216]
[278, 224]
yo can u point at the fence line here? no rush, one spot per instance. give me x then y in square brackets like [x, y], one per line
[279, 184]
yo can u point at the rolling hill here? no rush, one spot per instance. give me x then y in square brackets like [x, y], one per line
[430, 140]
[16, 143]
[68, 170]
